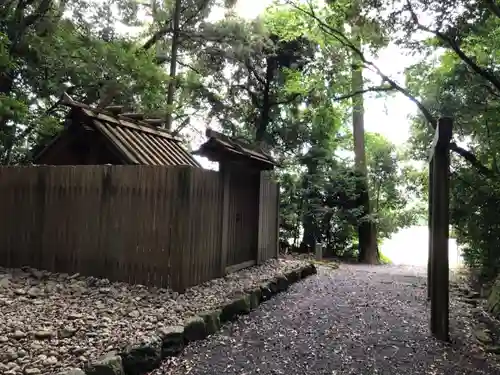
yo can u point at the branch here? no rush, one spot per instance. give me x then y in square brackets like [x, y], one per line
[253, 96]
[156, 37]
[37, 14]
[182, 125]
[472, 159]
[289, 100]
[186, 65]
[490, 90]
[344, 40]
[339, 36]
[359, 92]
[493, 7]
[252, 71]
[166, 28]
[484, 73]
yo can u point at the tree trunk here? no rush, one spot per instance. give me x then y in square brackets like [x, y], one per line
[368, 251]
[173, 65]
[265, 110]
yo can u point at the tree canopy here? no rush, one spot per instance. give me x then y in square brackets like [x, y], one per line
[291, 81]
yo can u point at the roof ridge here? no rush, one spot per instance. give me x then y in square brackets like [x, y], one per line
[115, 118]
[239, 146]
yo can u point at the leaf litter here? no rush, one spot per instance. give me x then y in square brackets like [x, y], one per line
[352, 320]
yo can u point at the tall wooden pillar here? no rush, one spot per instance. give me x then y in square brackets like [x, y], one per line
[429, 224]
[439, 266]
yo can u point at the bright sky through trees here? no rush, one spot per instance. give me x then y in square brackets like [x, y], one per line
[388, 116]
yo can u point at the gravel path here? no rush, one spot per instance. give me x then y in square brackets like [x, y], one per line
[356, 320]
[50, 322]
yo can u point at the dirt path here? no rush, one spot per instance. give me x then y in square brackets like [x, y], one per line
[356, 320]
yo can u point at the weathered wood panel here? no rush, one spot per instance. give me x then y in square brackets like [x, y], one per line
[202, 215]
[149, 225]
[268, 234]
[140, 224]
[243, 215]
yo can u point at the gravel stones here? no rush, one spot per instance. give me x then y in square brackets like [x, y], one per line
[59, 323]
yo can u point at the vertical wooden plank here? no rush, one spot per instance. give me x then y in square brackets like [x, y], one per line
[440, 232]
[163, 226]
[187, 198]
[277, 213]
[193, 265]
[429, 224]
[213, 215]
[175, 228]
[217, 225]
[268, 219]
[52, 235]
[4, 247]
[104, 268]
[262, 218]
[140, 262]
[154, 255]
[202, 187]
[166, 228]
[226, 178]
[93, 211]
[20, 233]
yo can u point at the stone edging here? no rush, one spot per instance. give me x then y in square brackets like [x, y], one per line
[140, 359]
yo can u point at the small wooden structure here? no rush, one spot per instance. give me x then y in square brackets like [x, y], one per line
[439, 200]
[94, 136]
[249, 232]
[147, 212]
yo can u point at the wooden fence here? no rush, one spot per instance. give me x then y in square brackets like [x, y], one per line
[140, 224]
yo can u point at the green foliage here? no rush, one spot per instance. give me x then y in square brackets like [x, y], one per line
[475, 221]
[390, 186]
[277, 81]
[61, 45]
[384, 259]
[462, 81]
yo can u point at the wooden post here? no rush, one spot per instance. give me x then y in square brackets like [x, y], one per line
[429, 224]
[319, 251]
[440, 156]
[277, 220]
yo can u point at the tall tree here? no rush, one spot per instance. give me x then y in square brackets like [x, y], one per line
[368, 250]
[173, 63]
[50, 46]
